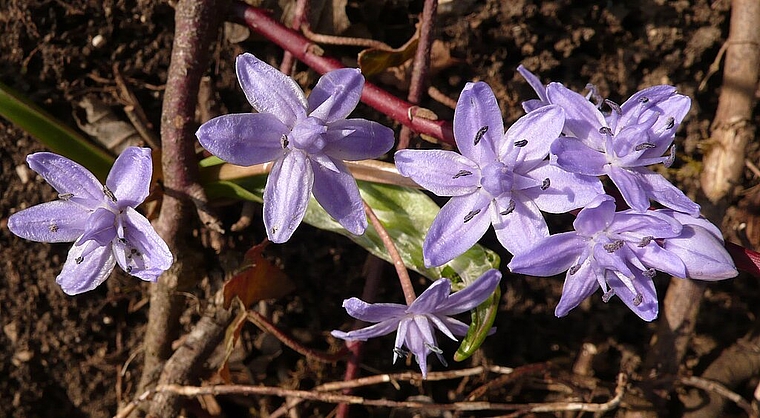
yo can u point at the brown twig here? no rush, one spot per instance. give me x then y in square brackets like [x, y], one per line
[421, 64]
[342, 40]
[301, 10]
[719, 389]
[398, 263]
[134, 111]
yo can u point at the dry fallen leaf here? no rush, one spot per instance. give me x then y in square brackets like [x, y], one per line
[257, 280]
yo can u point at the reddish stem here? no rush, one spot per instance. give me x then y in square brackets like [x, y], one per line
[301, 48]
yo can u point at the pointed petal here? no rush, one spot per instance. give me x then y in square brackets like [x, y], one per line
[648, 308]
[478, 126]
[92, 270]
[686, 219]
[444, 173]
[574, 156]
[657, 258]
[270, 91]
[534, 82]
[67, 177]
[338, 194]
[566, 191]
[661, 190]
[415, 342]
[129, 179]
[704, 256]
[471, 296]
[643, 103]
[540, 128]
[582, 118]
[597, 216]
[457, 227]
[336, 94]
[57, 221]
[286, 195]
[552, 255]
[245, 138]
[636, 225]
[457, 327]
[631, 187]
[357, 139]
[101, 227]
[145, 254]
[521, 229]
[433, 296]
[577, 288]
[373, 312]
[363, 334]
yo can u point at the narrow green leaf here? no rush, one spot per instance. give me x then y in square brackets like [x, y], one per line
[55, 135]
[482, 321]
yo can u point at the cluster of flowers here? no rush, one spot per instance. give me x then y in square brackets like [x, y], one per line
[549, 160]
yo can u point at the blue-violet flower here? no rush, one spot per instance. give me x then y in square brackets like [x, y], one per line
[101, 220]
[500, 179]
[414, 324]
[621, 251]
[306, 140]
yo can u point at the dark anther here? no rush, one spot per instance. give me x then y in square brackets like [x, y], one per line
[400, 352]
[671, 122]
[469, 216]
[605, 131]
[129, 269]
[123, 240]
[650, 272]
[671, 157]
[574, 269]
[645, 145]
[608, 295]
[133, 251]
[434, 348]
[65, 196]
[284, 141]
[638, 299]
[79, 260]
[479, 135]
[462, 173]
[645, 241]
[109, 193]
[643, 100]
[614, 246]
[545, 184]
[53, 228]
[509, 208]
[614, 106]
[521, 143]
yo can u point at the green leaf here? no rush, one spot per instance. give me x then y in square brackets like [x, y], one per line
[55, 135]
[482, 321]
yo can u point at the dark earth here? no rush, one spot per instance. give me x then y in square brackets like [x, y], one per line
[80, 356]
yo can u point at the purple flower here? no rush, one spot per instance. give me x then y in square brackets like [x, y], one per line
[500, 179]
[101, 220]
[621, 251]
[415, 323]
[307, 140]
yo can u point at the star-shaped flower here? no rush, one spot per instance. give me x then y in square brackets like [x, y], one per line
[415, 323]
[621, 251]
[307, 140]
[500, 179]
[101, 220]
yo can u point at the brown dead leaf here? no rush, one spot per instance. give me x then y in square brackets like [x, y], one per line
[257, 280]
[376, 60]
[231, 336]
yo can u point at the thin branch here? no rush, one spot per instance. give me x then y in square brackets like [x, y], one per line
[299, 16]
[720, 389]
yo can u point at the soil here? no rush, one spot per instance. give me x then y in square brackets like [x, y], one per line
[81, 356]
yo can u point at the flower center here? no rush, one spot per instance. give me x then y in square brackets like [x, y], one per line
[496, 178]
[308, 135]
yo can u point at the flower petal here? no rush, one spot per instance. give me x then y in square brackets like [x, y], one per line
[270, 91]
[457, 227]
[654, 256]
[357, 139]
[101, 227]
[661, 190]
[245, 138]
[129, 179]
[704, 256]
[576, 157]
[647, 307]
[144, 254]
[631, 187]
[520, 229]
[566, 191]
[582, 118]
[336, 94]
[444, 173]
[433, 296]
[597, 216]
[363, 334]
[57, 221]
[539, 128]
[91, 270]
[373, 312]
[534, 82]
[338, 194]
[471, 296]
[478, 126]
[577, 288]
[286, 195]
[67, 178]
[552, 255]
